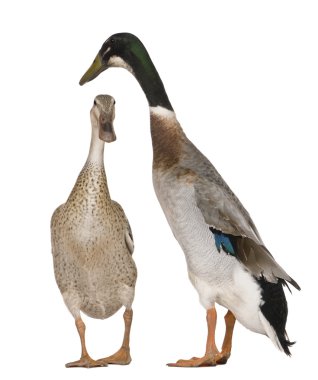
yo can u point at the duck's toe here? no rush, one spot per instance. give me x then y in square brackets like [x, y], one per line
[224, 357]
[85, 362]
[208, 360]
[121, 357]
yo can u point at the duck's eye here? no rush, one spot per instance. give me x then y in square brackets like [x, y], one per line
[114, 102]
[112, 40]
[95, 104]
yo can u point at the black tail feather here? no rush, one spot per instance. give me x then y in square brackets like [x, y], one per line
[275, 310]
[285, 343]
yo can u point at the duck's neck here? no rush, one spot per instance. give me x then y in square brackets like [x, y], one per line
[96, 150]
[147, 76]
[94, 170]
[91, 188]
[166, 132]
[167, 138]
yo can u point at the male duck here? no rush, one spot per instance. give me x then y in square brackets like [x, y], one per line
[227, 260]
[92, 243]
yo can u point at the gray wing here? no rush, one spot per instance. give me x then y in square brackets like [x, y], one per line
[222, 209]
[224, 212]
[218, 204]
[129, 240]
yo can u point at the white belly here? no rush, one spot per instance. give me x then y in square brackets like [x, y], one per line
[241, 295]
[217, 276]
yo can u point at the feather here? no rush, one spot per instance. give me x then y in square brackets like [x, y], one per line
[255, 257]
[223, 212]
[222, 241]
[259, 261]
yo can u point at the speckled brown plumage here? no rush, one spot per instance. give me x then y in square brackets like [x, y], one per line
[92, 241]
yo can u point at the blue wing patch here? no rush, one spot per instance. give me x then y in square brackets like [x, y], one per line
[223, 241]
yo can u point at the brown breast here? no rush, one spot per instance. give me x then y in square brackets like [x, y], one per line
[167, 140]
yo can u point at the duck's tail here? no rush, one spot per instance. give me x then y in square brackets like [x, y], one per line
[273, 314]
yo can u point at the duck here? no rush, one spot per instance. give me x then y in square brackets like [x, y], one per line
[92, 244]
[228, 263]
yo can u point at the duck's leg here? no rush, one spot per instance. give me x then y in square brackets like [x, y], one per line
[85, 360]
[122, 356]
[227, 342]
[212, 354]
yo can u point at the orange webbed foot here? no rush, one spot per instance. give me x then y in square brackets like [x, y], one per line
[121, 357]
[85, 362]
[224, 357]
[208, 360]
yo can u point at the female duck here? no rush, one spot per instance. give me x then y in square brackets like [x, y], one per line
[227, 260]
[92, 244]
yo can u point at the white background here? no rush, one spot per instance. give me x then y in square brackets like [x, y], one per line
[242, 78]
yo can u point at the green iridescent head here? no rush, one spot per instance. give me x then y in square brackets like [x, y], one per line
[119, 50]
[127, 51]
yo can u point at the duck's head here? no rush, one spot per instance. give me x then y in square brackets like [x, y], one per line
[102, 117]
[127, 51]
[119, 50]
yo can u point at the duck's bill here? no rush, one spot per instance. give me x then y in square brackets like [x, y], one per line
[94, 70]
[106, 131]
[108, 137]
